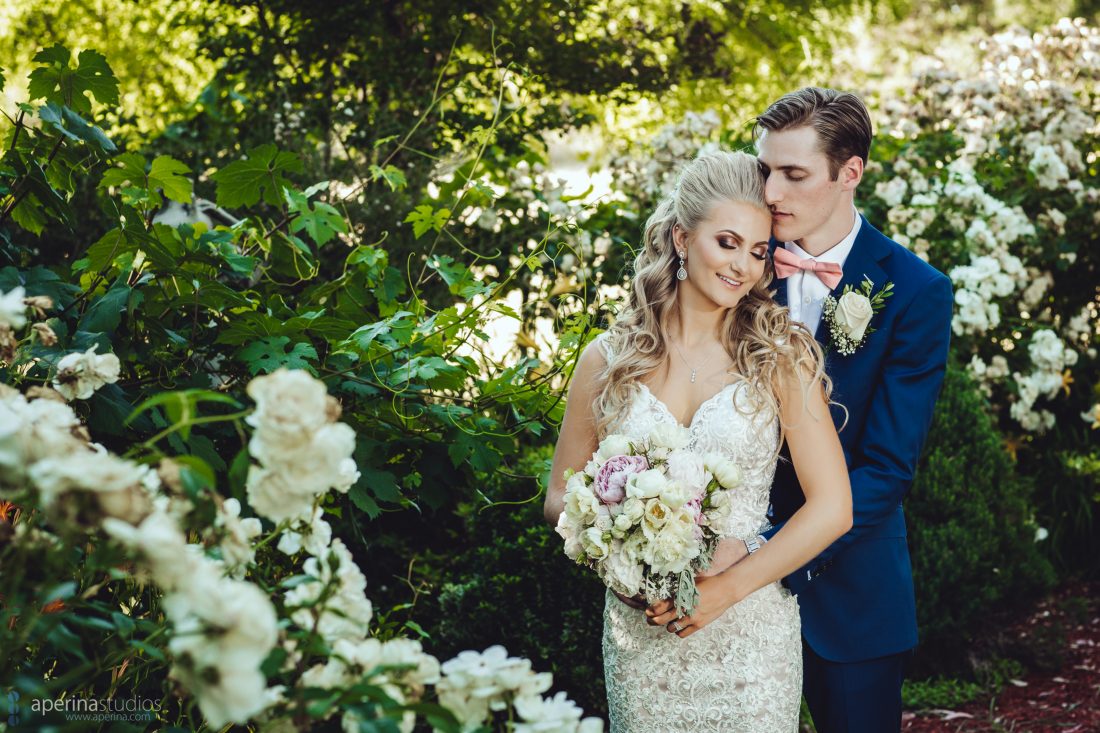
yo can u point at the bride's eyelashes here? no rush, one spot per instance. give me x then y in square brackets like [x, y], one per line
[726, 243]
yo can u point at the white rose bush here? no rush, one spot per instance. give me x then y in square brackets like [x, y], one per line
[647, 515]
[197, 428]
[242, 653]
[990, 174]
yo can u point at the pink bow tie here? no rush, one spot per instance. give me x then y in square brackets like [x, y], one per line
[788, 263]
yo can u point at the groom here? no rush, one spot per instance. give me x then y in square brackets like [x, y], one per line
[856, 598]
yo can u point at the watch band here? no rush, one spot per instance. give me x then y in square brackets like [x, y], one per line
[752, 544]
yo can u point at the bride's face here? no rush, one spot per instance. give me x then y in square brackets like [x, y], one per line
[727, 251]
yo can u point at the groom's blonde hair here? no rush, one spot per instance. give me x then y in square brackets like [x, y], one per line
[840, 119]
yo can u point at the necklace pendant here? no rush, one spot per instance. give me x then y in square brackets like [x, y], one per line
[693, 376]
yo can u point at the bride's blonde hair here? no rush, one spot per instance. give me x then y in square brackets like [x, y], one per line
[765, 346]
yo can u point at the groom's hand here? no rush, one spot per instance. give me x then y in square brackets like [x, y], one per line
[637, 602]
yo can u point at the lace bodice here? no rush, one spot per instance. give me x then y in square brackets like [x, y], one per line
[743, 671]
[733, 424]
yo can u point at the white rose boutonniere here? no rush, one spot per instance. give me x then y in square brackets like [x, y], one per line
[849, 316]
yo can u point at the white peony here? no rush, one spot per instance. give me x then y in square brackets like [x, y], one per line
[725, 471]
[687, 468]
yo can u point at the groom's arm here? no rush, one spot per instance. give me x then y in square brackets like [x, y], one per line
[900, 413]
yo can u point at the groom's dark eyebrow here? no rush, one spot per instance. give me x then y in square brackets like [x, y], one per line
[789, 168]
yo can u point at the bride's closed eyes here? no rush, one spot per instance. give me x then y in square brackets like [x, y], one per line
[730, 243]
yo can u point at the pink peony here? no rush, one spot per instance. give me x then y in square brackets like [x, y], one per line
[610, 484]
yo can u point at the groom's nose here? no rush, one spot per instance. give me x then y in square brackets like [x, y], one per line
[773, 192]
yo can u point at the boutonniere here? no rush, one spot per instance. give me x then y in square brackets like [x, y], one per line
[848, 316]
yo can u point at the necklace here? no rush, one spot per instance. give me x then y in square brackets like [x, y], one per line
[689, 366]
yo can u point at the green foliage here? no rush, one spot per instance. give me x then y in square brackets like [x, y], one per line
[262, 175]
[55, 80]
[938, 693]
[511, 584]
[971, 530]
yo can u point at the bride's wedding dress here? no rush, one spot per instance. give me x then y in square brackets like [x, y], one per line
[743, 671]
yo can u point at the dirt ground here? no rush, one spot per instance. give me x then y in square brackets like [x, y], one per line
[1065, 701]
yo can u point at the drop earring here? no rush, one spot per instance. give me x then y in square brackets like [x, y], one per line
[681, 274]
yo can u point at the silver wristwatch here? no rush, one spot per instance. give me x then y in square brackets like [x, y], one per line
[752, 544]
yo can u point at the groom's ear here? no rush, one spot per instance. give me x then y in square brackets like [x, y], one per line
[851, 173]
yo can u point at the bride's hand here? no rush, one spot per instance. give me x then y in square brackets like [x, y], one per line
[712, 604]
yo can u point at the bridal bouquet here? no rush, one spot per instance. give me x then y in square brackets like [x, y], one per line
[647, 515]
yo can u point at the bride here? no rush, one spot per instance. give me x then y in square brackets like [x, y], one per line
[702, 344]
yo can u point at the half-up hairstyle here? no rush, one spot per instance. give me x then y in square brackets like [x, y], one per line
[766, 347]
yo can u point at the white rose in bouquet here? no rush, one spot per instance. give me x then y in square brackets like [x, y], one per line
[655, 517]
[633, 508]
[613, 445]
[675, 495]
[595, 546]
[646, 485]
[626, 570]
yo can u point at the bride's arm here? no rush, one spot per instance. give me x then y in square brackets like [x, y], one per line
[577, 437]
[826, 515]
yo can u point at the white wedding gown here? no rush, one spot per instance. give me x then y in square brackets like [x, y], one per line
[743, 671]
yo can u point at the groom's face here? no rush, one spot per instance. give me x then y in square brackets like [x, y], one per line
[800, 191]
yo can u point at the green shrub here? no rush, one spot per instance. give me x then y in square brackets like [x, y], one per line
[938, 693]
[511, 584]
[970, 530]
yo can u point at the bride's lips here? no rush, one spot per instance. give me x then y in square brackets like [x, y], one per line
[728, 281]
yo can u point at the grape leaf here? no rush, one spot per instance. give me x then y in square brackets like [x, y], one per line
[259, 176]
[424, 218]
[268, 354]
[56, 81]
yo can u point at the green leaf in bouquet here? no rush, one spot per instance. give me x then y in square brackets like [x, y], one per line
[57, 81]
[261, 175]
[268, 354]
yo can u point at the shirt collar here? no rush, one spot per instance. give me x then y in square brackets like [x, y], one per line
[839, 252]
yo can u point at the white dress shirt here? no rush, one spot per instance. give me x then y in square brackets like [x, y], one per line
[805, 291]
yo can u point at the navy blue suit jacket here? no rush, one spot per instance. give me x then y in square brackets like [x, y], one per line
[856, 597]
